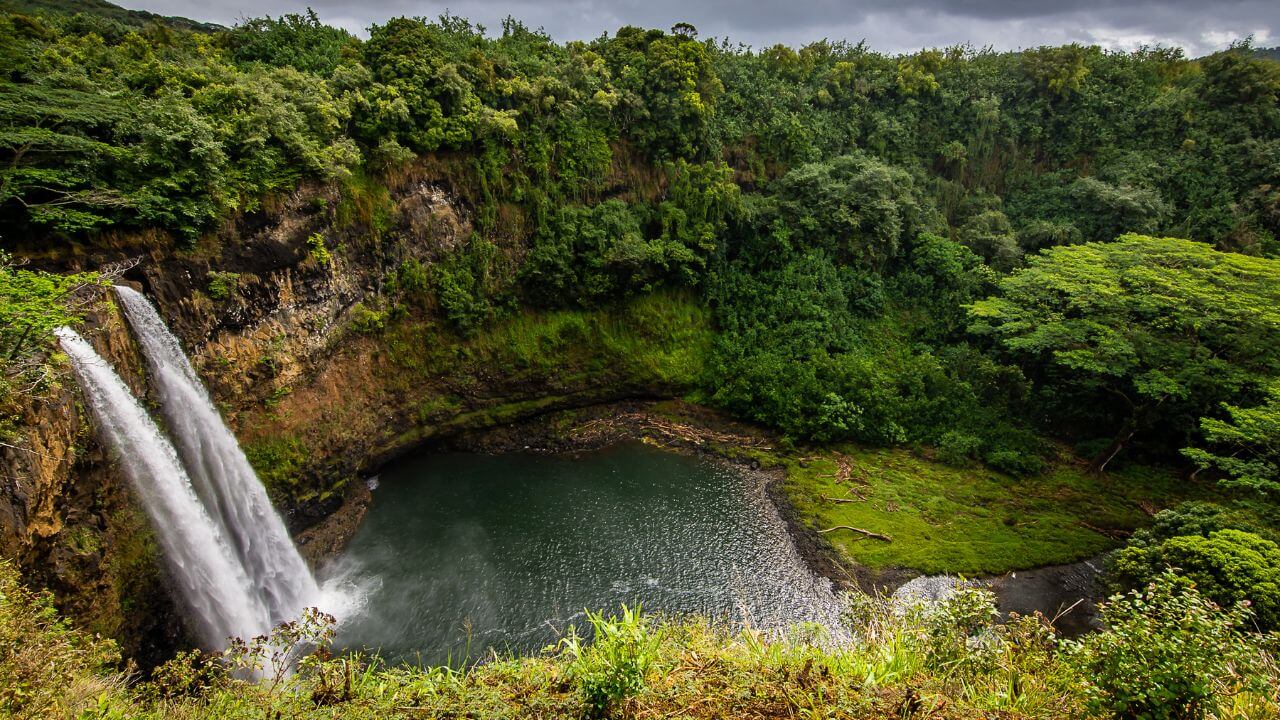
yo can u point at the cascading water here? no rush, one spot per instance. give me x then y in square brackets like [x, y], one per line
[215, 588]
[223, 478]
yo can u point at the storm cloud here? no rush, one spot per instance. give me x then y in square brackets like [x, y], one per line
[886, 25]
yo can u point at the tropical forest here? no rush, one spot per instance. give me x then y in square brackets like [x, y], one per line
[439, 370]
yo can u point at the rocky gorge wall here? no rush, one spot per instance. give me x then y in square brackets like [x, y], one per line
[67, 516]
[274, 311]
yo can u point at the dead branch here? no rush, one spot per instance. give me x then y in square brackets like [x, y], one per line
[113, 270]
[666, 429]
[841, 501]
[867, 533]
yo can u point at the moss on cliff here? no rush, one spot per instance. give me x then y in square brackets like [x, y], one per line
[384, 391]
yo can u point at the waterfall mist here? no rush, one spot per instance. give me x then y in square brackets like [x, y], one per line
[219, 595]
[221, 474]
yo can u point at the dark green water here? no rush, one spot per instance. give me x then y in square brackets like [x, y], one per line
[465, 552]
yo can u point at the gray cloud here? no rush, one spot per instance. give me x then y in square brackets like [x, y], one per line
[887, 25]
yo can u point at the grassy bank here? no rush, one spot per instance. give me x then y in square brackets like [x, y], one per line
[972, 520]
[944, 662]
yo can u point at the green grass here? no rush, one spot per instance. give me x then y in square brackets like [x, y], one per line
[972, 520]
[898, 665]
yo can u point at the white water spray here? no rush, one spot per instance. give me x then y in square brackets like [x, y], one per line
[222, 476]
[219, 596]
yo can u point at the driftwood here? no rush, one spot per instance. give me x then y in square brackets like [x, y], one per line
[844, 473]
[666, 429]
[867, 533]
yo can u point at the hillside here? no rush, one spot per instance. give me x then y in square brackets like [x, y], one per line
[103, 9]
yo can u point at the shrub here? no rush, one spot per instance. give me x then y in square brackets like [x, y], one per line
[364, 320]
[1170, 653]
[1228, 566]
[954, 629]
[957, 448]
[223, 285]
[317, 250]
[471, 285]
[613, 667]
[47, 668]
[290, 645]
[1015, 462]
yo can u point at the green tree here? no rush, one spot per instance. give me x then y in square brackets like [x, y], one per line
[1149, 331]
[1104, 211]
[1058, 71]
[297, 40]
[668, 91]
[1245, 445]
[421, 99]
[853, 206]
[990, 235]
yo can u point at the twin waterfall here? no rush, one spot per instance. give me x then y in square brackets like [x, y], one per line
[226, 547]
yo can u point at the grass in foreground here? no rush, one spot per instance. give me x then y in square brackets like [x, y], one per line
[946, 661]
[971, 520]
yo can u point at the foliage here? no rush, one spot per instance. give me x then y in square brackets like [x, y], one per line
[950, 659]
[223, 285]
[363, 319]
[590, 255]
[1246, 445]
[1168, 654]
[1228, 566]
[1153, 333]
[299, 41]
[276, 461]
[275, 655]
[613, 667]
[797, 235]
[666, 90]
[47, 667]
[33, 304]
[318, 251]
[856, 208]
[1057, 71]
[1105, 211]
[585, 255]
[471, 285]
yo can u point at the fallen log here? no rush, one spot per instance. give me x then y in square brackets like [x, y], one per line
[867, 533]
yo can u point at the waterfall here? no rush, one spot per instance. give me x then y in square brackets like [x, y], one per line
[218, 594]
[222, 476]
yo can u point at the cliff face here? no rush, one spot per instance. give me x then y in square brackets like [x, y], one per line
[67, 518]
[274, 310]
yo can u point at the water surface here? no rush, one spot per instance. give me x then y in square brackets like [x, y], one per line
[461, 553]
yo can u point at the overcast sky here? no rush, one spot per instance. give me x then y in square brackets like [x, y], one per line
[1199, 26]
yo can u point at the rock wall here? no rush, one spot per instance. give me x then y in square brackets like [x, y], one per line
[68, 520]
